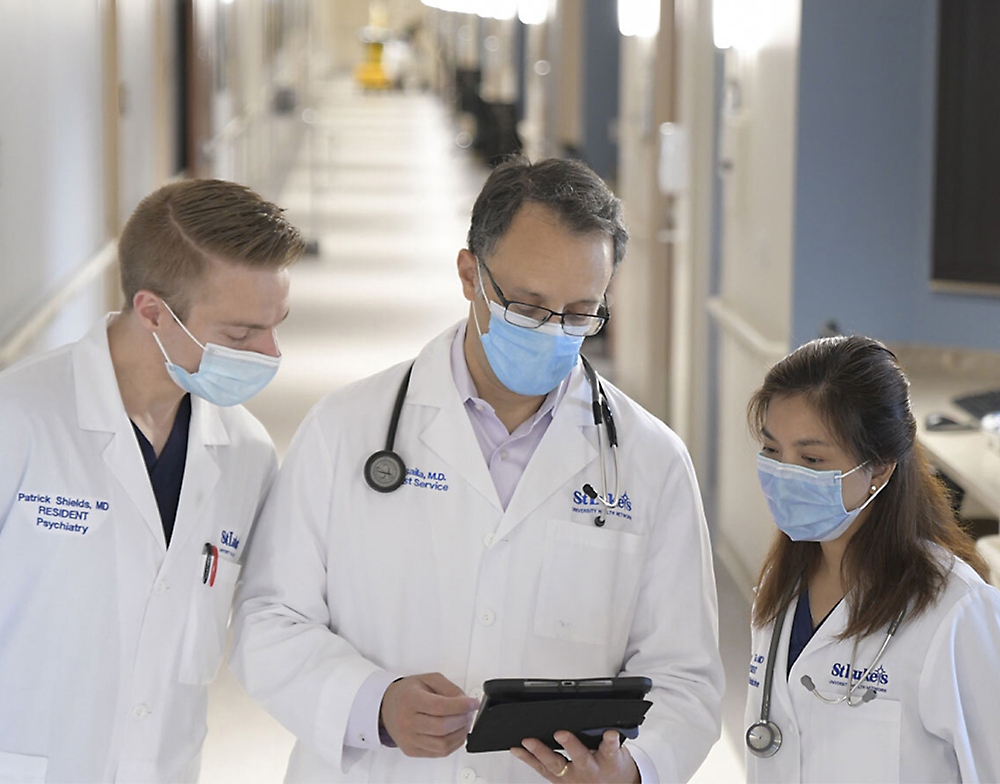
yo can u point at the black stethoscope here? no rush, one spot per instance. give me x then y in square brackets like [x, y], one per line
[385, 470]
[763, 736]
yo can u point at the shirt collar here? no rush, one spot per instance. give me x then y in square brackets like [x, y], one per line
[467, 387]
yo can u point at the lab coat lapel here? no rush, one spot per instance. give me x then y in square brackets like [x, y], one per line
[826, 634]
[809, 663]
[206, 436]
[100, 409]
[563, 453]
[449, 433]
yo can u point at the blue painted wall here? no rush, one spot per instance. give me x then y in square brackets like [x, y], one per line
[864, 180]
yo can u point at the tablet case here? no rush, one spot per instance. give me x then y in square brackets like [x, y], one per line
[502, 726]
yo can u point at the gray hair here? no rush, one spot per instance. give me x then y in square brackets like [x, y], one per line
[571, 189]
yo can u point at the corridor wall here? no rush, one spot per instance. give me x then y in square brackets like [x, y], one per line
[864, 190]
[51, 159]
[828, 149]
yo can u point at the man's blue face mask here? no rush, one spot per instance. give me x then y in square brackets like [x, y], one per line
[225, 376]
[527, 361]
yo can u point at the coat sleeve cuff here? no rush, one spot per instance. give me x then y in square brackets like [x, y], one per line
[647, 770]
[363, 722]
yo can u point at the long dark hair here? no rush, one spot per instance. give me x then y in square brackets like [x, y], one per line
[858, 389]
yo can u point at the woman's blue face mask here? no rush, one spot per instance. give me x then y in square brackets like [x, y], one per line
[807, 505]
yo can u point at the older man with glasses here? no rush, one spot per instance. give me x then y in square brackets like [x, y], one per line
[384, 589]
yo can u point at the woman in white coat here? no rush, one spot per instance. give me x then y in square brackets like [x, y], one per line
[875, 638]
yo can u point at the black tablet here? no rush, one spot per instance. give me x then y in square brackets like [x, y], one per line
[517, 708]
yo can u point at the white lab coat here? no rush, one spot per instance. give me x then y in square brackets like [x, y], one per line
[436, 576]
[937, 713]
[107, 638]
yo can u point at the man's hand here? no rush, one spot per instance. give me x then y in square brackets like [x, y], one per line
[610, 763]
[427, 715]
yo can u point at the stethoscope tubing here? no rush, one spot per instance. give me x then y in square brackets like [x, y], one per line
[385, 471]
[764, 731]
[767, 730]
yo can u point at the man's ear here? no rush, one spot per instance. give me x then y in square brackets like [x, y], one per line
[149, 309]
[468, 272]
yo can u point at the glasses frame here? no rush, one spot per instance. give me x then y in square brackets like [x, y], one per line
[601, 317]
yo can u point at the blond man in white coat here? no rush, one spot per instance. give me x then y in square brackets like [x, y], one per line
[129, 482]
[369, 620]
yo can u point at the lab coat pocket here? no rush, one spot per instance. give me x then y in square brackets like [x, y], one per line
[588, 582]
[855, 744]
[22, 768]
[207, 621]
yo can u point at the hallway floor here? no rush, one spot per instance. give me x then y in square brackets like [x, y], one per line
[388, 194]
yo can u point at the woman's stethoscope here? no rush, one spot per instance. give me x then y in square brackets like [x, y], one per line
[763, 736]
[385, 470]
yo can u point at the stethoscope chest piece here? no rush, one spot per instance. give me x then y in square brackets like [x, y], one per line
[384, 471]
[763, 738]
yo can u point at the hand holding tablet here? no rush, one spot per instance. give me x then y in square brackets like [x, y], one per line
[514, 709]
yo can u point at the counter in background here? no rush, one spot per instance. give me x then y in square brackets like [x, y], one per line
[937, 376]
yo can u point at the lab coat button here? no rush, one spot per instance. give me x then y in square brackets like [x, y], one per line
[468, 775]
[140, 711]
[488, 540]
[160, 587]
[503, 455]
[488, 617]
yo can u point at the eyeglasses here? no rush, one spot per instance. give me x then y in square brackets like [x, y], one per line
[521, 314]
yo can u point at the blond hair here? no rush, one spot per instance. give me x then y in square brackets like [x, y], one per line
[174, 232]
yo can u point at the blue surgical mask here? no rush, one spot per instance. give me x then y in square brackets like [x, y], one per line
[225, 376]
[527, 361]
[807, 505]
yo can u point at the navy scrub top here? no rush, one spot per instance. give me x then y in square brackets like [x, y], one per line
[166, 472]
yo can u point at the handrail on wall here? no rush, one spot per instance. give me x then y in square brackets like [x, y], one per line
[770, 351]
[14, 343]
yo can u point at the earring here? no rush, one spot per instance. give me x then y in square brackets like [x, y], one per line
[873, 488]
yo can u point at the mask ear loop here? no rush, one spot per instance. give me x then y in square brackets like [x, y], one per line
[181, 323]
[858, 466]
[481, 291]
[162, 349]
[873, 490]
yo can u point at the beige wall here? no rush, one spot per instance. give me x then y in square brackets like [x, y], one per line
[759, 149]
[566, 113]
[142, 148]
[52, 167]
[552, 66]
[641, 290]
[692, 241]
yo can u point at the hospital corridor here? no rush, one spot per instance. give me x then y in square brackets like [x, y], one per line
[214, 214]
